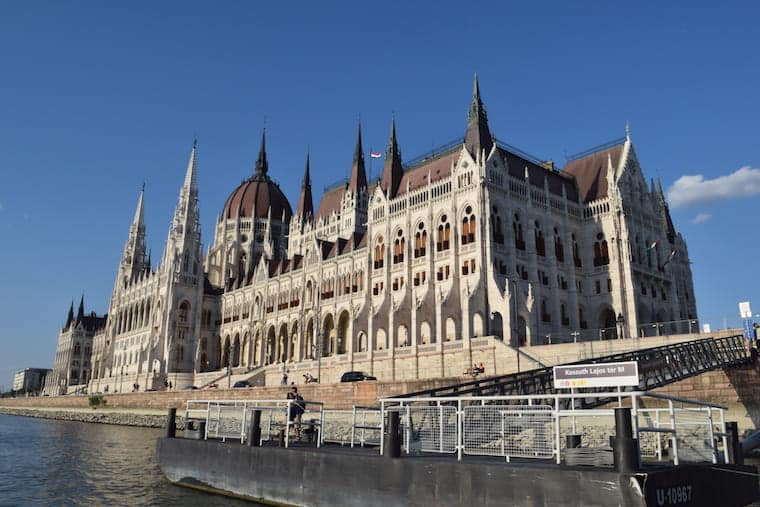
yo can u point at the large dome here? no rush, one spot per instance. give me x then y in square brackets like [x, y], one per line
[256, 195]
[253, 199]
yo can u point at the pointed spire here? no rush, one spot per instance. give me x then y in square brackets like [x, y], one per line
[393, 171]
[358, 180]
[190, 173]
[628, 131]
[262, 166]
[139, 218]
[80, 312]
[478, 136]
[70, 317]
[305, 207]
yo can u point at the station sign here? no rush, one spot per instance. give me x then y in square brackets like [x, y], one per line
[596, 375]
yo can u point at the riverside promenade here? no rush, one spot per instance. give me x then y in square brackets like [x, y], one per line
[738, 389]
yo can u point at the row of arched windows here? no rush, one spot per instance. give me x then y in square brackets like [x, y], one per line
[133, 317]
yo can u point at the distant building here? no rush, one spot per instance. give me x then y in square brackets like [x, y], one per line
[475, 246]
[73, 355]
[30, 379]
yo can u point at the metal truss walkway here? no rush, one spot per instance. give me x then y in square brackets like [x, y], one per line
[658, 366]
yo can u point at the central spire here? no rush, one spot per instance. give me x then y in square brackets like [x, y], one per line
[262, 166]
[478, 136]
[358, 180]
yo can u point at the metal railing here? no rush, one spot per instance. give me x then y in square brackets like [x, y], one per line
[686, 326]
[536, 426]
[231, 419]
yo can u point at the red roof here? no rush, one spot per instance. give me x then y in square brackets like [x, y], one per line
[254, 197]
[590, 172]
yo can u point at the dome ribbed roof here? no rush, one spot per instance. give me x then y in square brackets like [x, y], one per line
[254, 197]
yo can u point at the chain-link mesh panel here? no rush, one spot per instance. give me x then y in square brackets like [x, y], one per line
[229, 421]
[509, 431]
[594, 427]
[694, 436]
[428, 429]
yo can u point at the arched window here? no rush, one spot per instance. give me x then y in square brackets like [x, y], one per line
[559, 250]
[468, 226]
[518, 230]
[443, 241]
[545, 316]
[184, 312]
[420, 241]
[379, 252]
[601, 255]
[576, 253]
[398, 248]
[498, 232]
[539, 237]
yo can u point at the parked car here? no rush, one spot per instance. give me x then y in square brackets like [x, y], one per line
[356, 376]
[190, 388]
[241, 383]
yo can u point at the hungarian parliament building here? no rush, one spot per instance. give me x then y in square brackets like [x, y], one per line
[459, 256]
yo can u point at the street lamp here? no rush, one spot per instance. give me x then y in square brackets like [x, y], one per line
[121, 378]
[575, 335]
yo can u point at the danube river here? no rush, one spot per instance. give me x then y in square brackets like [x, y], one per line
[47, 462]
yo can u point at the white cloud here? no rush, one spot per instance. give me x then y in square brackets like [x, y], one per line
[689, 190]
[701, 218]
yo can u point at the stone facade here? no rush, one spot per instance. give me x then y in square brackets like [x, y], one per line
[477, 246]
[72, 368]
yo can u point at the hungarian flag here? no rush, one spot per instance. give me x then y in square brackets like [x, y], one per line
[375, 154]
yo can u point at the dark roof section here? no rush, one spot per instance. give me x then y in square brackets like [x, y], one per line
[305, 208]
[590, 171]
[358, 179]
[393, 171]
[537, 173]
[330, 202]
[478, 135]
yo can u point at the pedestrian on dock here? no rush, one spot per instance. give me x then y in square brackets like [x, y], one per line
[296, 409]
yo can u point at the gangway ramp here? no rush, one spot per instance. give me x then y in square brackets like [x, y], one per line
[658, 366]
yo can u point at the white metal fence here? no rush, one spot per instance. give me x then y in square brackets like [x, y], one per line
[536, 426]
[231, 419]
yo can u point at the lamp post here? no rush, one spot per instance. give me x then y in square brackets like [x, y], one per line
[575, 335]
[121, 378]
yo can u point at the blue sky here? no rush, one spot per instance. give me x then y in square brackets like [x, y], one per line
[97, 98]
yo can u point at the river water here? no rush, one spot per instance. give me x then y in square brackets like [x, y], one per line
[47, 462]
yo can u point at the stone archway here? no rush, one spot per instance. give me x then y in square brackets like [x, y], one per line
[477, 325]
[282, 344]
[342, 336]
[293, 344]
[270, 350]
[308, 340]
[328, 336]
[607, 324]
[425, 334]
[225, 350]
[236, 351]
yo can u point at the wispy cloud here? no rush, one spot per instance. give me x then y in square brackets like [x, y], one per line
[690, 190]
[701, 218]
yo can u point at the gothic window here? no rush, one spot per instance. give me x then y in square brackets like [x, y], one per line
[443, 241]
[545, 316]
[518, 230]
[576, 253]
[398, 248]
[468, 226]
[539, 237]
[563, 315]
[379, 252]
[184, 312]
[601, 254]
[559, 250]
[420, 241]
[498, 232]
